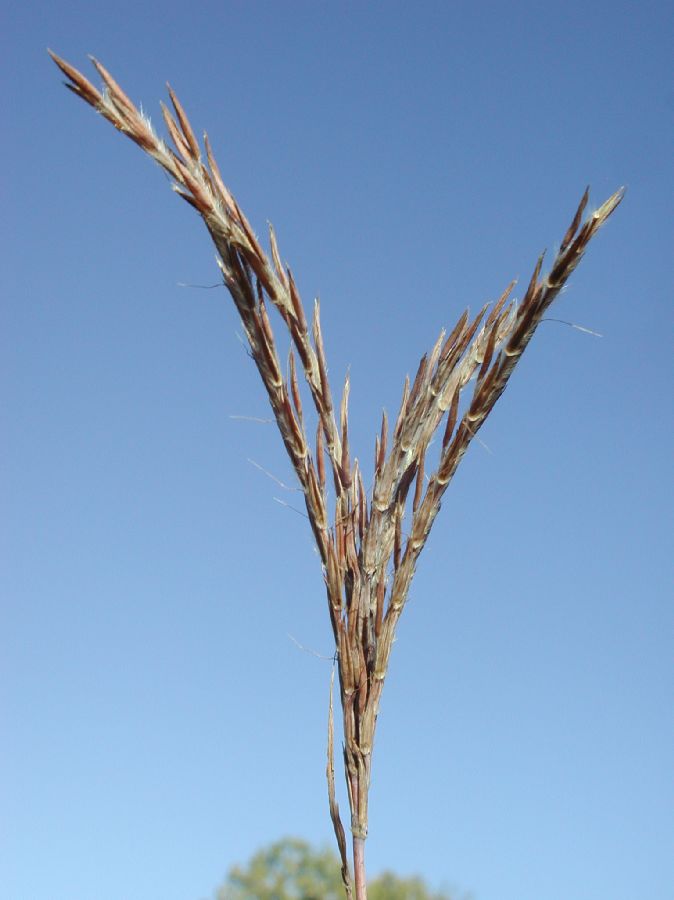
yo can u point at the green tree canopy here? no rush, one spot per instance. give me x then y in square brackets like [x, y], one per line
[291, 869]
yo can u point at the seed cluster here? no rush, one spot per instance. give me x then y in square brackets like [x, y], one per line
[367, 561]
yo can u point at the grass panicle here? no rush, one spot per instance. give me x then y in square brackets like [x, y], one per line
[368, 561]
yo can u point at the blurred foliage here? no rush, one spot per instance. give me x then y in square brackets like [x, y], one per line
[291, 869]
[388, 886]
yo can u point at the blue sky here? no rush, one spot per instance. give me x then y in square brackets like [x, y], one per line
[159, 724]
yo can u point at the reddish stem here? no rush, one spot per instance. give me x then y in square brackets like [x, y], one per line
[359, 868]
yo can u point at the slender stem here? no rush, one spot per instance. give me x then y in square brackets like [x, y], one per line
[359, 868]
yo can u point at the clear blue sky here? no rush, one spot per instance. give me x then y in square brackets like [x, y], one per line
[158, 723]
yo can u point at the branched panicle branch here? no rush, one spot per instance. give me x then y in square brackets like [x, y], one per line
[368, 563]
